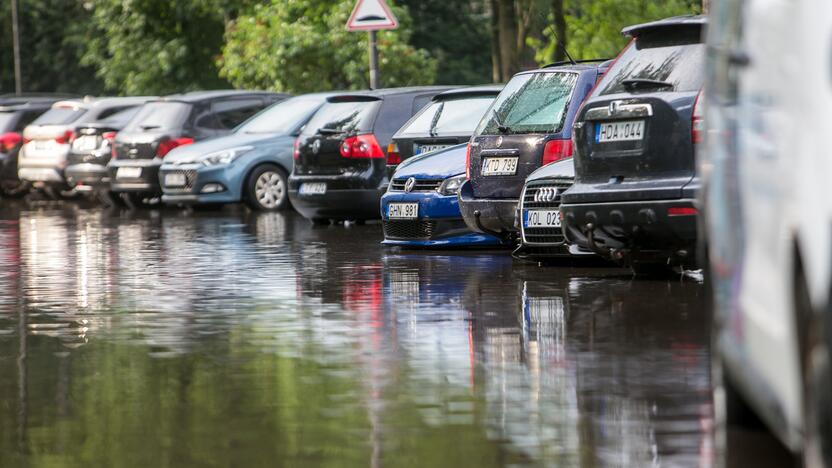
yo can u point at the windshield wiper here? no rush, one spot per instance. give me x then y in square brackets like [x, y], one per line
[634, 83]
[149, 127]
[500, 126]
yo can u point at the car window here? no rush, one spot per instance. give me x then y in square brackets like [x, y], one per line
[674, 57]
[159, 115]
[423, 122]
[344, 116]
[530, 103]
[282, 117]
[27, 118]
[449, 116]
[121, 118]
[60, 116]
[232, 113]
[105, 113]
[7, 121]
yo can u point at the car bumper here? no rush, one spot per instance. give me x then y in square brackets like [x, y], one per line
[485, 215]
[87, 174]
[146, 182]
[202, 184]
[645, 229]
[40, 174]
[360, 204]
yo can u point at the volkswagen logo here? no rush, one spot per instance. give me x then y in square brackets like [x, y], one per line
[546, 194]
[614, 105]
[316, 146]
[408, 186]
[499, 141]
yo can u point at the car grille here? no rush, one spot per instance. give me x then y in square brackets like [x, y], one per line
[415, 229]
[531, 199]
[421, 185]
[190, 180]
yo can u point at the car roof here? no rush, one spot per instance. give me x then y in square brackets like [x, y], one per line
[484, 90]
[667, 23]
[13, 102]
[89, 102]
[381, 93]
[197, 96]
[577, 66]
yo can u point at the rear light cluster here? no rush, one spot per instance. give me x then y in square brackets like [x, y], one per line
[296, 150]
[166, 146]
[361, 147]
[697, 122]
[393, 155]
[557, 150]
[9, 141]
[110, 137]
[65, 138]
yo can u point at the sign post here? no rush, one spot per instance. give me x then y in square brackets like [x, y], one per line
[372, 16]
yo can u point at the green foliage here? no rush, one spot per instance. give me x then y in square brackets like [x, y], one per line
[302, 45]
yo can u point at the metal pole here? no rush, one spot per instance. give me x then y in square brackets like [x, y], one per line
[18, 81]
[374, 74]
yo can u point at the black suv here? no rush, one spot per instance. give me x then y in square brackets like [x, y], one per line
[163, 124]
[341, 160]
[528, 126]
[635, 177]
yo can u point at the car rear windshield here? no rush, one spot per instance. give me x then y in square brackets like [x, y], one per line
[60, 116]
[449, 116]
[283, 117]
[159, 115]
[120, 119]
[668, 60]
[530, 103]
[344, 117]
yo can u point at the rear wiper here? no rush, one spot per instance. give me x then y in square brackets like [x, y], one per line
[149, 127]
[500, 126]
[634, 83]
[330, 131]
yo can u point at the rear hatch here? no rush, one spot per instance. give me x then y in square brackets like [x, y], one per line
[509, 142]
[633, 136]
[93, 142]
[154, 130]
[49, 135]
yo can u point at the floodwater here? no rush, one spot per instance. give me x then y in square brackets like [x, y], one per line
[234, 339]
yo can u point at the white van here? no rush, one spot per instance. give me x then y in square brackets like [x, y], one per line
[766, 218]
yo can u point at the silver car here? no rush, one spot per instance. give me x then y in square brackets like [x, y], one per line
[47, 140]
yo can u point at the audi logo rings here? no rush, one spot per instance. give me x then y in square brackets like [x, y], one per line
[546, 194]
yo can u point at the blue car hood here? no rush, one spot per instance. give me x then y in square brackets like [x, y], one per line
[193, 152]
[435, 165]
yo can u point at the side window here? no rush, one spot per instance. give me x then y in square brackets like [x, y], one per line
[27, 118]
[421, 101]
[205, 120]
[233, 112]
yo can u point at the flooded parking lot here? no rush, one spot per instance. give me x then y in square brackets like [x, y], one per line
[229, 338]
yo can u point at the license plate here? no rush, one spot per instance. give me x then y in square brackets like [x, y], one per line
[499, 166]
[403, 210]
[86, 143]
[631, 130]
[315, 188]
[419, 149]
[128, 173]
[541, 219]
[175, 180]
[41, 145]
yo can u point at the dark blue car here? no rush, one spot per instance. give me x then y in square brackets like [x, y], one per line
[420, 208]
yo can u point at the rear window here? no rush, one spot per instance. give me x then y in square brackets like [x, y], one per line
[121, 118]
[530, 103]
[344, 117]
[450, 116]
[661, 60]
[159, 116]
[282, 117]
[60, 116]
[6, 121]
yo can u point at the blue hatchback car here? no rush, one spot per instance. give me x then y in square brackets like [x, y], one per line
[251, 164]
[420, 208]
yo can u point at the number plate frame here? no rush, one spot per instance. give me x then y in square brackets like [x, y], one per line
[542, 219]
[499, 166]
[403, 211]
[128, 172]
[618, 131]
[312, 188]
[175, 180]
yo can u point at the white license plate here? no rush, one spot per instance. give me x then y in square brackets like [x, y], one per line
[419, 149]
[314, 188]
[630, 130]
[86, 143]
[499, 166]
[128, 173]
[175, 180]
[403, 210]
[41, 145]
[541, 219]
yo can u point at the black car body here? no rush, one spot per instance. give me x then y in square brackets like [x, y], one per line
[340, 169]
[163, 124]
[528, 126]
[635, 185]
[448, 120]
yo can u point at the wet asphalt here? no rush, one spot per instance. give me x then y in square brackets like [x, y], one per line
[227, 338]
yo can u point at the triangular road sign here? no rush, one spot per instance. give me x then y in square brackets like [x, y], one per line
[371, 15]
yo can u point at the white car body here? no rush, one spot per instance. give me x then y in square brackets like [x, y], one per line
[767, 196]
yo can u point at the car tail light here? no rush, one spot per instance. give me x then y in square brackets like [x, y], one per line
[296, 149]
[8, 141]
[360, 147]
[697, 121]
[393, 155]
[468, 161]
[556, 150]
[67, 137]
[682, 211]
[166, 146]
[109, 136]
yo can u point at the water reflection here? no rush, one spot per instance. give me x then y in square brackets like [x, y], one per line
[230, 338]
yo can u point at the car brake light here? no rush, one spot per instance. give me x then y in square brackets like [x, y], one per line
[556, 150]
[361, 146]
[697, 121]
[468, 161]
[109, 136]
[393, 155]
[67, 137]
[682, 211]
[296, 149]
[166, 146]
[8, 141]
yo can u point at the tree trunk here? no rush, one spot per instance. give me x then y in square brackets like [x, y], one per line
[560, 30]
[507, 20]
[496, 68]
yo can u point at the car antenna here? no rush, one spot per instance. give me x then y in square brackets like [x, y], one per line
[558, 42]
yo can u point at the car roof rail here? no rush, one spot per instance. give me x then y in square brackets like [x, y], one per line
[574, 62]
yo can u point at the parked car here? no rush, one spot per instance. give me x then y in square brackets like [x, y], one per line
[47, 140]
[252, 164]
[340, 169]
[166, 123]
[766, 221]
[449, 119]
[16, 112]
[528, 126]
[420, 208]
[635, 184]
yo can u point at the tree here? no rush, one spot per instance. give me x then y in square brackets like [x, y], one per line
[302, 46]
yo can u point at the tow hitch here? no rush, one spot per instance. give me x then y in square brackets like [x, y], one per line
[503, 236]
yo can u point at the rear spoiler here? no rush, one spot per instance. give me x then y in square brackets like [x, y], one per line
[353, 98]
[690, 21]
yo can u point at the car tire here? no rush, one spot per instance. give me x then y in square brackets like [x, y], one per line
[267, 188]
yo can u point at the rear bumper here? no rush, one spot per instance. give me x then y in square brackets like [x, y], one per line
[360, 204]
[146, 182]
[40, 174]
[87, 174]
[495, 215]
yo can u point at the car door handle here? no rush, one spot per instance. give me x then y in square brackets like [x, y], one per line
[739, 58]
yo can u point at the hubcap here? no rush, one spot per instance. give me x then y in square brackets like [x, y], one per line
[269, 189]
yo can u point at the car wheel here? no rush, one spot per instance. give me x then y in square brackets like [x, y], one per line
[267, 188]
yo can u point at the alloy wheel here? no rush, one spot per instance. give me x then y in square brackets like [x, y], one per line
[269, 189]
